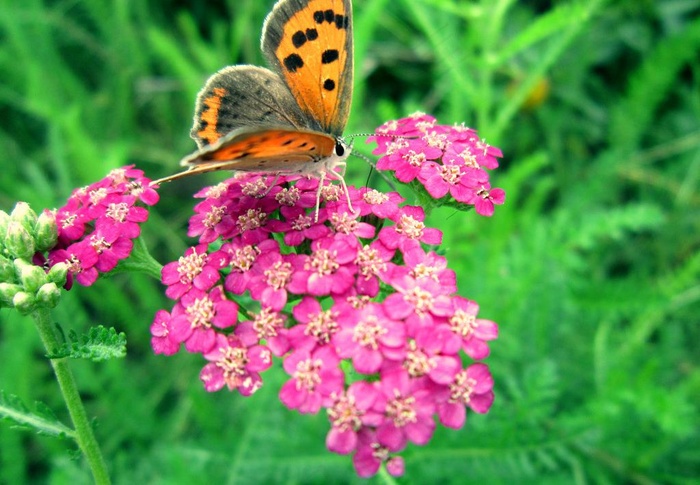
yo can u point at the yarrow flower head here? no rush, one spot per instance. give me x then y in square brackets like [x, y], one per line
[98, 223]
[448, 163]
[355, 285]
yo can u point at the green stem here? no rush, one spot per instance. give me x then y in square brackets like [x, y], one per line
[84, 435]
[140, 261]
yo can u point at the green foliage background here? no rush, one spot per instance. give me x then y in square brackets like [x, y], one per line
[592, 267]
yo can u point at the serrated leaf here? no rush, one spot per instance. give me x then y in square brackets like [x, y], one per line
[100, 343]
[42, 419]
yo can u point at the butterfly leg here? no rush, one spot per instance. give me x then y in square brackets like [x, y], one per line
[347, 192]
[340, 176]
[321, 179]
[269, 187]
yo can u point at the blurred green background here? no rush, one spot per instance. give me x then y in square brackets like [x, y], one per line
[591, 269]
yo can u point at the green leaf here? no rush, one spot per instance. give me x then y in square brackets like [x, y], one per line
[651, 84]
[99, 344]
[41, 419]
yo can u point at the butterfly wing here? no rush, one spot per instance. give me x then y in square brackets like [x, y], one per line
[243, 96]
[264, 149]
[309, 43]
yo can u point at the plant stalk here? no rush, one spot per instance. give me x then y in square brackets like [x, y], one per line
[84, 434]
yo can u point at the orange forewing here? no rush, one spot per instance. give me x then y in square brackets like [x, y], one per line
[313, 53]
[271, 149]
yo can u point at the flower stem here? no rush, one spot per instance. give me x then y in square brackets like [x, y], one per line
[84, 434]
[140, 261]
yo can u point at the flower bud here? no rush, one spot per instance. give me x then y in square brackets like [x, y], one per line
[58, 274]
[46, 231]
[7, 270]
[24, 302]
[18, 241]
[48, 295]
[8, 292]
[4, 221]
[32, 277]
[24, 214]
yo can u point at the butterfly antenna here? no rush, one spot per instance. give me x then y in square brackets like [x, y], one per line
[370, 162]
[374, 167]
[396, 137]
[170, 178]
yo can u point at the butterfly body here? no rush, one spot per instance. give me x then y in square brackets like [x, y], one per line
[287, 119]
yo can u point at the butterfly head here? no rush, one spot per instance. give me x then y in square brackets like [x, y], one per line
[341, 152]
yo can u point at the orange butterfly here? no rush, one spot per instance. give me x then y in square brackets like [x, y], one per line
[287, 120]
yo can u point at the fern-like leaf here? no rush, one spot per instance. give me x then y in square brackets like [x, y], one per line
[100, 343]
[41, 419]
[651, 84]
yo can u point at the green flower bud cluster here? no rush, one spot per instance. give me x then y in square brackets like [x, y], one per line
[24, 285]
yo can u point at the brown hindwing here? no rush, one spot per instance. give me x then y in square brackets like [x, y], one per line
[240, 96]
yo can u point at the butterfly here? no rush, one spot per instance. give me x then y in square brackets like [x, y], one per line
[287, 119]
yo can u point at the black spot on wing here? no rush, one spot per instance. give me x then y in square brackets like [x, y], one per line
[341, 21]
[329, 85]
[293, 62]
[329, 55]
[299, 39]
[311, 34]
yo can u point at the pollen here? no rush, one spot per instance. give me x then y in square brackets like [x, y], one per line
[414, 159]
[216, 191]
[322, 327]
[302, 222]
[463, 323]
[267, 323]
[97, 195]
[278, 275]
[233, 363]
[374, 197]
[214, 216]
[100, 244]
[201, 313]
[343, 223]
[288, 196]
[436, 140]
[370, 262]
[308, 374]
[424, 271]
[117, 212]
[417, 362]
[450, 174]
[469, 158]
[368, 332]
[188, 267]
[322, 262]
[252, 219]
[462, 388]
[243, 258]
[401, 410]
[410, 227]
[344, 414]
[420, 299]
[254, 188]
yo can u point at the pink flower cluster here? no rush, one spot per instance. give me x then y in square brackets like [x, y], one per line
[449, 162]
[365, 316]
[97, 225]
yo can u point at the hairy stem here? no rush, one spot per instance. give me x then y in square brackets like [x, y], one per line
[84, 434]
